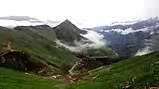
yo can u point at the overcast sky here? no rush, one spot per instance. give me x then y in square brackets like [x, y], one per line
[84, 13]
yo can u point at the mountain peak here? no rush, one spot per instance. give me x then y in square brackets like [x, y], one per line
[67, 22]
[68, 32]
[68, 26]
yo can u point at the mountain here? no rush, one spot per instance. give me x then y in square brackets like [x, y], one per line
[75, 40]
[132, 39]
[134, 24]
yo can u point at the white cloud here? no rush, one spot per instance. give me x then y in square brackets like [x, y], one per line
[127, 31]
[95, 37]
[71, 48]
[143, 51]
[12, 21]
[89, 12]
[17, 23]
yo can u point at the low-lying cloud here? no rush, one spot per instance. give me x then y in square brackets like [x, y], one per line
[143, 51]
[95, 41]
[96, 38]
[79, 47]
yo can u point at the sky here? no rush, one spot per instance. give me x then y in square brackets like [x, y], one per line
[83, 13]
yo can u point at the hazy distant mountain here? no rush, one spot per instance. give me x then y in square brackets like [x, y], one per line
[134, 24]
[131, 39]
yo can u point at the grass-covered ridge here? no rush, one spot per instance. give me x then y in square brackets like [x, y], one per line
[136, 73]
[37, 45]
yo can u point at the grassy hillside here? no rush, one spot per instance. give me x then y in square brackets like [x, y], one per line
[33, 43]
[136, 73]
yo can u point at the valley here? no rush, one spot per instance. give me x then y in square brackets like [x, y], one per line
[66, 57]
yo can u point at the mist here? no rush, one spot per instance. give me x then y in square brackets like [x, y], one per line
[95, 41]
[96, 38]
[77, 48]
[143, 51]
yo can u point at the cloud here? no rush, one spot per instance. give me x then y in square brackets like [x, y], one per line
[13, 21]
[127, 31]
[79, 46]
[100, 11]
[21, 18]
[143, 51]
[95, 37]
[53, 22]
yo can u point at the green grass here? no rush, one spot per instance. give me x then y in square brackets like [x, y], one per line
[11, 79]
[136, 73]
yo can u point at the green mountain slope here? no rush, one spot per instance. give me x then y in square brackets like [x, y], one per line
[136, 73]
[30, 41]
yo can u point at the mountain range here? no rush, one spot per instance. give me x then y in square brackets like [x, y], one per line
[57, 48]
